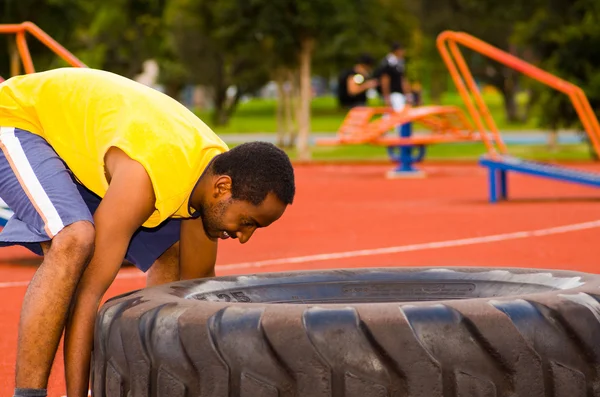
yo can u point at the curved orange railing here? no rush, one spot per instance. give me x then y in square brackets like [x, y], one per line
[465, 83]
[28, 27]
[362, 125]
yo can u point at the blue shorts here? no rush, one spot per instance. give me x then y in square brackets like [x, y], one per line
[42, 192]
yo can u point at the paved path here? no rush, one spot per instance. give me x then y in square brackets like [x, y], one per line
[510, 137]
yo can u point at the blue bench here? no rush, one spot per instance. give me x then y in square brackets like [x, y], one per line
[500, 166]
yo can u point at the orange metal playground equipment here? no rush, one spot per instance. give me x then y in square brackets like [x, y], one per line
[497, 160]
[20, 30]
[447, 44]
[361, 125]
[369, 125]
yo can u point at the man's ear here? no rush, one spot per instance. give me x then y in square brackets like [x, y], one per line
[222, 186]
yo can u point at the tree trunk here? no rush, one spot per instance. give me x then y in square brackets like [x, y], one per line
[220, 97]
[220, 89]
[173, 89]
[15, 59]
[509, 94]
[291, 114]
[438, 84]
[534, 96]
[553, 140]
[306, 49]
[510, 105]
[280, 108]
[231, 106]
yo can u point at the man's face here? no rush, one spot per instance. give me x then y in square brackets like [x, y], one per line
[228, 218]
[364, 69]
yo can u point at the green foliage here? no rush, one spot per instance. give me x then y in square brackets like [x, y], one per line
[72, 15]
[363, 26]
[490, 21]
[115, 35]
[122, 34]
[200, 39]
[563, 35]
[244, 42]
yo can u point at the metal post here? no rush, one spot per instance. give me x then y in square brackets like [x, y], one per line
[503, 184]
[493, 177]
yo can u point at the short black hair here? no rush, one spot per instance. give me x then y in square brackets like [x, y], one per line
[365, 59]
[396, 45]
[256, 169]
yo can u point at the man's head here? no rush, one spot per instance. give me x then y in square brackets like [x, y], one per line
[245, 188]
[397, 49]
[365, 63]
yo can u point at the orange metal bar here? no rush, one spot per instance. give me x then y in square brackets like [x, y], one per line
[483, 109]
[53, 44]
[24, 51]
[462, 90]
[420, 140]
[11, 28]
[593, 120]
[359, 126]
[27, 27]
[576, 94]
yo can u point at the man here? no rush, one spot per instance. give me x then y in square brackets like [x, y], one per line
[353, 83]
[99, 169]
[394, 86]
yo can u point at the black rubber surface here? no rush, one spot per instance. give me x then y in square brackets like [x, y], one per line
[355, 333]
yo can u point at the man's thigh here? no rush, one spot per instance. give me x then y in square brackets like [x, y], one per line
[37, 186]
[166, 268]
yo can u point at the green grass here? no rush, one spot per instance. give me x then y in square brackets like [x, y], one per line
[258, 115]
[459, 151]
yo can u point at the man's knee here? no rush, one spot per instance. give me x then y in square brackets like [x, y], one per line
[76, 242]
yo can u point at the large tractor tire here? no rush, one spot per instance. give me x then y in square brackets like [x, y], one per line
[425, 332]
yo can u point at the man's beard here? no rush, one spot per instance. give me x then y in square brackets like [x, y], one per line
[211, 217]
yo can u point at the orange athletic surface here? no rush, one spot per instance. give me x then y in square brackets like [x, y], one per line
[344, 208]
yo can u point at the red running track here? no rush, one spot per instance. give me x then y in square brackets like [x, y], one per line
[352, 216]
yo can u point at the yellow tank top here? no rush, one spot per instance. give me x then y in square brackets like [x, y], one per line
[83, 112]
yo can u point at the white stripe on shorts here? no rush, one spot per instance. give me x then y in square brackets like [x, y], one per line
[36, 192]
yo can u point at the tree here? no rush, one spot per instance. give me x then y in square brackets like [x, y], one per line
[72, 14]
[122, 34]
[290, 34]
[301, 24]
[562, 35]
[115, 35]
[491, 22]
[212, 58]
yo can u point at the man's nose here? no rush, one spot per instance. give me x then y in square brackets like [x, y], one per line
[243, 237]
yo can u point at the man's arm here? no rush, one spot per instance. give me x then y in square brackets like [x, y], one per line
[197, 252]
[128, 202]
[355, 88]
[385, 88]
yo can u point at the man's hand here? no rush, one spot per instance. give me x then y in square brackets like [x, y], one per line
[128, 202]
[198, 252]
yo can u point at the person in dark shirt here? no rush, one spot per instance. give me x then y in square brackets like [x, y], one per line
[391, 72]
[354, 83]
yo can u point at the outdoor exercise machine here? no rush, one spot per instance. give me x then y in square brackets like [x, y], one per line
[497, 160]
[370, 125]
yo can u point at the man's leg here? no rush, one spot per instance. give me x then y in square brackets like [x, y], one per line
[47, 302]
[165, 269]
[48, 211]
